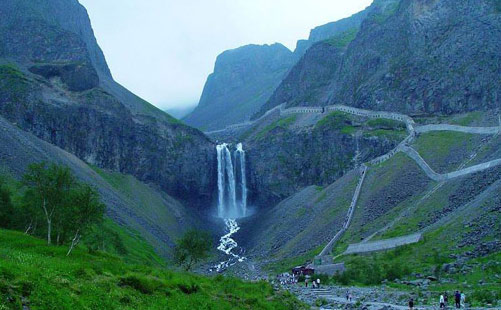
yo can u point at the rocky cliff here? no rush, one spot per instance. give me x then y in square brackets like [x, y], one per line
[54, 83]
[242, 81]
[330, 30]
[417, 57]
[287, 154]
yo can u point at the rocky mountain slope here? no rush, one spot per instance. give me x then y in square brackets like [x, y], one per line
[420, 57]
[243, 79]
[288, 153]
[327, 31]
[145, 209]
[54, 83]
[459, 218]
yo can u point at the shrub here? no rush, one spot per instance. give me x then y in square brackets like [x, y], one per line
[143, 284]
[188, 288]
[484, 297]
[321, 302]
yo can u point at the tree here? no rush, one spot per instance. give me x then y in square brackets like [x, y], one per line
[191, 248]
[6, 206]
[83, 210]
[48, 187]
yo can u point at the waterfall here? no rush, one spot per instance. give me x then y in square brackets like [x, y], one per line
[243, 182]
[228, 176]
[232, 201]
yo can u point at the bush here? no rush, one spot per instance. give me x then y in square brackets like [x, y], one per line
[485, 297]
[321, 302]
[370, 272]
[143, 284]
[188, 288]
[324, 279]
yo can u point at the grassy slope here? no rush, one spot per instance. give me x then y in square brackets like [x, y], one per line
[450, 214]
[445, 151]
[47, 279]
[151, 205]
[296, 229]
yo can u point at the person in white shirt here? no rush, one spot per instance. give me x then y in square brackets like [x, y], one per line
[442, 302]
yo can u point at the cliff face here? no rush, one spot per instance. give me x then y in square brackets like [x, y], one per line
[330, 30]
[410, 56]
[291, 153]
[242, 81]
[54, 83]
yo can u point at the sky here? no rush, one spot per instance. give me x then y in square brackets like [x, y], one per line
[163, 50]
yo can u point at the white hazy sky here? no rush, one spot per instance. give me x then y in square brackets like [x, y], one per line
[163, 50]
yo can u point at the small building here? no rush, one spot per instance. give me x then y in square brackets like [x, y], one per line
[303, 271]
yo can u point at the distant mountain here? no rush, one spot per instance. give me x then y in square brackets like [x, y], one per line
[180, 112]
[243, 79]
[409, 56]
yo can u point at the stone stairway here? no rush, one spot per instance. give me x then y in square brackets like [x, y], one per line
[328, 248]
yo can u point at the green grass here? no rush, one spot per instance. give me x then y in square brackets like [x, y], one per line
[388, 11]
[392, 134]
[282, 123]
[138, 251]
[13, 82]
[427, 257]
[388, 124]
[342, 40]
[336, 121]
[287, 264]
[467, 119]
[44, 276]
[436, 147]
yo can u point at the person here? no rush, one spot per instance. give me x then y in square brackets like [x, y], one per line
[411, 304]
[318, 282]
[442, 302]
[458, 300]
[347, 296]
[306, 282]
[446, 299]
[350, 297]
[463, 299]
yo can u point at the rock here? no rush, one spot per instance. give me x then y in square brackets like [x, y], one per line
[396, 63]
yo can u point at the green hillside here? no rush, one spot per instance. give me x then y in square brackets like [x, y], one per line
[41, 277]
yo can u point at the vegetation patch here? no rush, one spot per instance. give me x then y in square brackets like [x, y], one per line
[342, 40]
[281, 123]
[387, 124]
[467, 119]
[286, 264]
[336, 121]
[13, 82]
[48, 279]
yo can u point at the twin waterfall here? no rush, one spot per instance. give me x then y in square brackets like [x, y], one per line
[231, 182]
[232, 201]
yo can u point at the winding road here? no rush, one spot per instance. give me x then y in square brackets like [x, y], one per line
[404, 147]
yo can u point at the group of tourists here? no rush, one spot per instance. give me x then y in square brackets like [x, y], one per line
[286, 278]
[459, 301]
[314, 283]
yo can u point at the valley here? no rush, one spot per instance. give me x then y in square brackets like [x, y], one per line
[368, 158]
